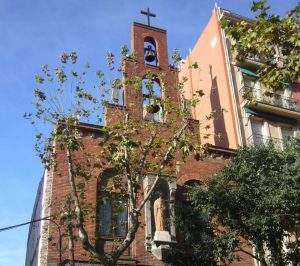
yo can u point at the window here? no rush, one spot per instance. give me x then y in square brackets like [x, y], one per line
[105, 218]
[288, 101]
[112, 215]
[251, 84]
[247, 82]
[112, 204]
[286, 133]
[274, 134]
[152, 107]
[257, 132]
[257, 90]
[273, 130]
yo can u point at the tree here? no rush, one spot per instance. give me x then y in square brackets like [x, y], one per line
[195, 242]
[274, 40]
[255, 201]
[66, 97]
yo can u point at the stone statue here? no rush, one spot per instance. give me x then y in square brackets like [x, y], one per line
[159, 208]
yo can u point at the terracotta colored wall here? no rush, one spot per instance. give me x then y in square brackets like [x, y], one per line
[211, 77]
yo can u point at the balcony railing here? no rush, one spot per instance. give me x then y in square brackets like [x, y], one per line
[256, 59]
[272, 98]
[259, 139]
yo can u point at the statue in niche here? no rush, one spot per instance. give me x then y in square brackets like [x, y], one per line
[159, 220]
[159, 208]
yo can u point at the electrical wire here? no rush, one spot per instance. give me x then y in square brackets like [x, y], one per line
[22, 224]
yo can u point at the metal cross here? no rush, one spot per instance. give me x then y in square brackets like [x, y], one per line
[148, 14]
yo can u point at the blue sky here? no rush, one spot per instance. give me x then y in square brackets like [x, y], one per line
[35, 32]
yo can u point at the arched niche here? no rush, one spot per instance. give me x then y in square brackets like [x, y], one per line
[166, 189]
[152, 99]
[162, 192]
[150, 51]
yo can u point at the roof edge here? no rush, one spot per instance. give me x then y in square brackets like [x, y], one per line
[149, 27]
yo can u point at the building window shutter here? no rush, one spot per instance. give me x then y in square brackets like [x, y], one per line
[257, 132]
[286, 133]
[273, 129]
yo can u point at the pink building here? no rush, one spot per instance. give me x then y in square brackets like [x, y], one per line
[223, 80]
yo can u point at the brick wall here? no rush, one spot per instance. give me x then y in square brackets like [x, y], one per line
[190, 170]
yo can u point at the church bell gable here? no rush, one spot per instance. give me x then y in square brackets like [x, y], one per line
[149, 57]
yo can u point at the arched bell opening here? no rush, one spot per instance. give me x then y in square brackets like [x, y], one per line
[152, 100]
[150, 53]
[117, 93]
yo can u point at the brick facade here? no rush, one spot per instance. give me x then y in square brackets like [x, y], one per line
[190, 170]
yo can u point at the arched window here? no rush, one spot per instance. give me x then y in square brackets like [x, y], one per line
[118, 96]
[195, 228]
[150, 54]
[112, 208]
[192, 182]
[184, 190]
[152, 104]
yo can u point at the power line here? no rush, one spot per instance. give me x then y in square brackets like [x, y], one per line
[18, 225]
[38, 220]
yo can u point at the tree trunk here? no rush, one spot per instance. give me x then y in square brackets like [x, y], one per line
[71, 244]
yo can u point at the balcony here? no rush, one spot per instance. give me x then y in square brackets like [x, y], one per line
[276, 99]
[258, 139]
[250, 61]
[272, 102]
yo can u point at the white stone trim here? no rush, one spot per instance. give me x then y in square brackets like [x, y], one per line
[46, 212]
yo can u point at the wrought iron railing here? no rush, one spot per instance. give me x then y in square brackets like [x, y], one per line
[259, 139]
[272, 98]
[257, 59]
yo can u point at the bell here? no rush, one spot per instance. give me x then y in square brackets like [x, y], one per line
[152, 108]
[150, 54]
